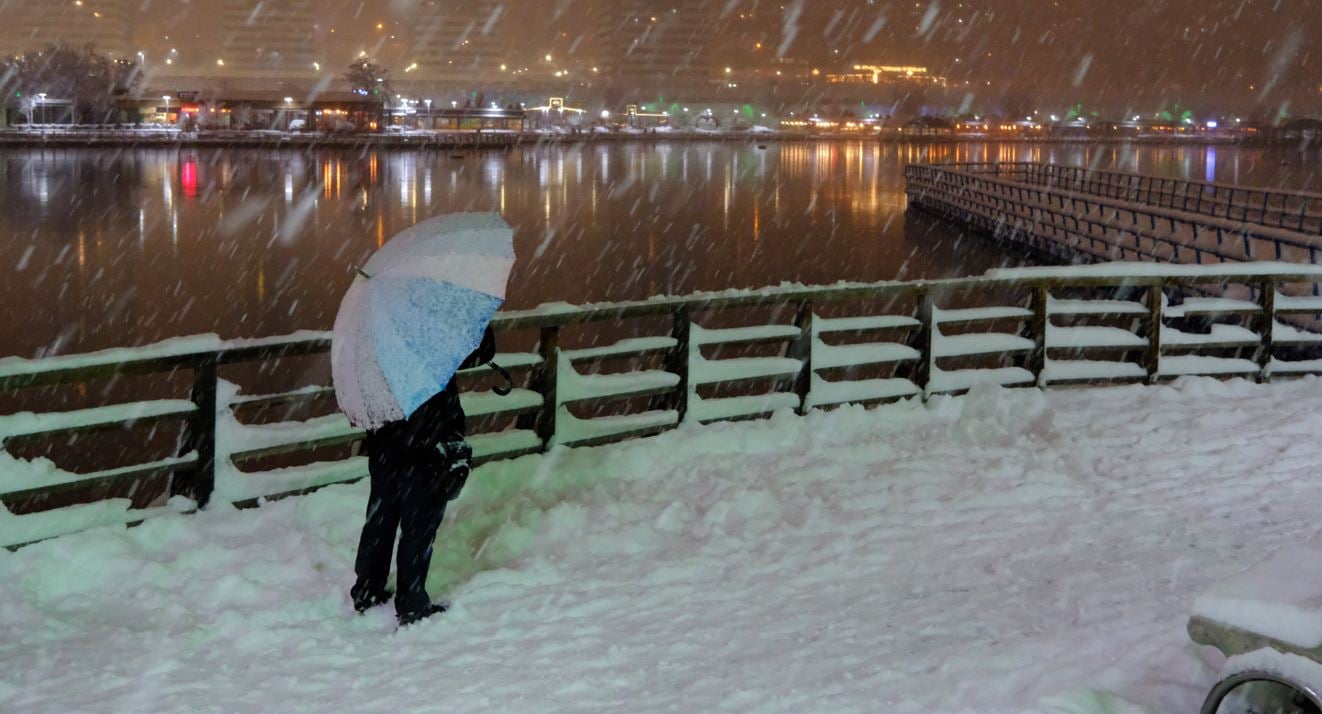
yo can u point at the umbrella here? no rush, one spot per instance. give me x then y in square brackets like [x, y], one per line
[416, 310]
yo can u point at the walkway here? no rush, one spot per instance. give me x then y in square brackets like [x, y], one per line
[1008, 551]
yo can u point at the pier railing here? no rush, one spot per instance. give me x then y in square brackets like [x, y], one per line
[1074, 226]
[1292, 210]
[604, 373]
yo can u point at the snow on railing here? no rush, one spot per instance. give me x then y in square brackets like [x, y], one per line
[728, 355]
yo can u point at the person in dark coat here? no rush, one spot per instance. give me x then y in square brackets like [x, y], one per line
[417, 466]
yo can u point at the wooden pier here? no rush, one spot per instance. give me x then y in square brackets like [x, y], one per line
[1079, 215]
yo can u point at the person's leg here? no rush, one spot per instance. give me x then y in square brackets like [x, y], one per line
[378, 539]
[422, 507]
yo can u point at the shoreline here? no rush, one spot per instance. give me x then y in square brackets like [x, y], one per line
[494, 140]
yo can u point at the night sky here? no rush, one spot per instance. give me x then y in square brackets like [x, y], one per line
[1245, 52]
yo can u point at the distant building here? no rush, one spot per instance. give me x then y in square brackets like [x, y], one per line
[277, 40]
[886, 74]
[27, 25]
[928, 126]
[644, 41]
[456, 39]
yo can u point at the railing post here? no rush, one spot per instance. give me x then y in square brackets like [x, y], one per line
[1152, 356]
[1266, 351]
[924, 339]
[678, 360]
[1037, 361]
[801, 349]
[545, 382]
[199, 482]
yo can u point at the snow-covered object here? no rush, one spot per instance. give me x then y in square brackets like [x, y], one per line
[403, 330]
[1280, 598]
[1290, 667]
[1007, 552]
[979, 343]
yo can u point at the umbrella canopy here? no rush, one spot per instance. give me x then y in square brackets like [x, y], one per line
[417, 310]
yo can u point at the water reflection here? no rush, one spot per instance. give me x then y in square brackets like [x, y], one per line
[111, 247]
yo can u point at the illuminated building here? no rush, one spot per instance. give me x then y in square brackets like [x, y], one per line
[658, 41]
[843, 124]
[31, 25]
[266, 39]
[886, 74]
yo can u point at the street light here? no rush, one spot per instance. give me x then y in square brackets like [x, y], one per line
[41, 102]
[167, 108]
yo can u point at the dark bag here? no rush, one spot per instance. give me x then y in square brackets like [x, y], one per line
[456, 466]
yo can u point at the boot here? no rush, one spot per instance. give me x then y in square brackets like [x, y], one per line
[364, 601]
[409, 618]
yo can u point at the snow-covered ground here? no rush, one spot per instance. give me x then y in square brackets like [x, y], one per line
[1010, 551]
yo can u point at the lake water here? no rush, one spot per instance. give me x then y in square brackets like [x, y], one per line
[107, 248]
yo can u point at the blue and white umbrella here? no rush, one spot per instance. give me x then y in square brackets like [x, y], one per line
[417, 310]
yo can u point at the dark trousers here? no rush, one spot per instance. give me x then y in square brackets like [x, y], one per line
[412, 500]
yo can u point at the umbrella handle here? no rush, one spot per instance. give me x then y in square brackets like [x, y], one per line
[505, 374]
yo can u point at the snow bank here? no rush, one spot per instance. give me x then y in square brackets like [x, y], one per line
[1004, 552]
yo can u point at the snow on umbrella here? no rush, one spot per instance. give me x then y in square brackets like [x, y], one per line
[417, 310]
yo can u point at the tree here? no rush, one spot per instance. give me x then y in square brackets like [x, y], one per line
[86, 79]
[371, 80]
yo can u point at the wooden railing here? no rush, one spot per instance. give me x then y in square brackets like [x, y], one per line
[1294, 210]
[1074, 226]
[700, 358]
